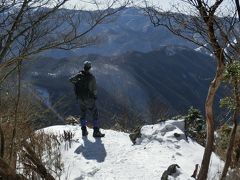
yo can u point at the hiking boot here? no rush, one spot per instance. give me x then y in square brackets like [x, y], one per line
[97, 133]
[84, 131]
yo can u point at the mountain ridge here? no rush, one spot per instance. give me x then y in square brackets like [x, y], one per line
[176, 77]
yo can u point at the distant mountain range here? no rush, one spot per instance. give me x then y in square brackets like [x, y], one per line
[140, 70]
[173, 76]
[130, 30]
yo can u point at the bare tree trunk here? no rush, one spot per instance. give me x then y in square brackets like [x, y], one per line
[218, 51]
[238, 8]
[210, 124]
[2, 140]
[230, 147]
[8, 173]
[12, 158]
[234, 130]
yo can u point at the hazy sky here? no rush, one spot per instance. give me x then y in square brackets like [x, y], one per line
[87, 3]
[165, 4]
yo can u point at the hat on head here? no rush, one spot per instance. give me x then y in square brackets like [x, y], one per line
[87, 65]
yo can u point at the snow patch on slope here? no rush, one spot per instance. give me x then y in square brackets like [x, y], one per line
[114, 157]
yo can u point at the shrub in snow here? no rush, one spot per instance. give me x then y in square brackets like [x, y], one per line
[195, 126]
[136, 134]
[222, 141]
[223, 138]
[67, 137]
[233, 174]
[71, 120]
[178, 117]
[47, 149]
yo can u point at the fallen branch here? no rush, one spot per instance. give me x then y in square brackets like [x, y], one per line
[38, 167]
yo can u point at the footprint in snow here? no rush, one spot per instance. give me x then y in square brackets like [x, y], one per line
[177, 146]
[173, 157]
[179, 154]
[93, 171]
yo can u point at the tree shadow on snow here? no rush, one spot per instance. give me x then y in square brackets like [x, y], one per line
[92, 150]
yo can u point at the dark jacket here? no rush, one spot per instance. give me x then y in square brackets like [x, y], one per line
[92, 85]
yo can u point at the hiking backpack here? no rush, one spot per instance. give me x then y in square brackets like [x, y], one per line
[81, 85]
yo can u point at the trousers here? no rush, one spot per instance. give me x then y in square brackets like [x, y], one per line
[88, 105]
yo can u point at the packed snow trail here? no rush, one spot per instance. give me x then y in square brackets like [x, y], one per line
[114, 157]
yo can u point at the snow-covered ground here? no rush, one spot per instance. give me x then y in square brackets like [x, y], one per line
[114, 157]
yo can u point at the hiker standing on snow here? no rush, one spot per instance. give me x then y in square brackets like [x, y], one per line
[86, 91]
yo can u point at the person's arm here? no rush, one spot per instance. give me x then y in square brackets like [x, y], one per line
[93, 86]
[74, 79]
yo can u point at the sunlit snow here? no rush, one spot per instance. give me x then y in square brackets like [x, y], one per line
[116, 158]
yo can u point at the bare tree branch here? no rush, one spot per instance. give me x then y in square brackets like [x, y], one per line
[36, 29]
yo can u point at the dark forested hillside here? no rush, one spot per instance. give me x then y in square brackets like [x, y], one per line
[173, 77]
